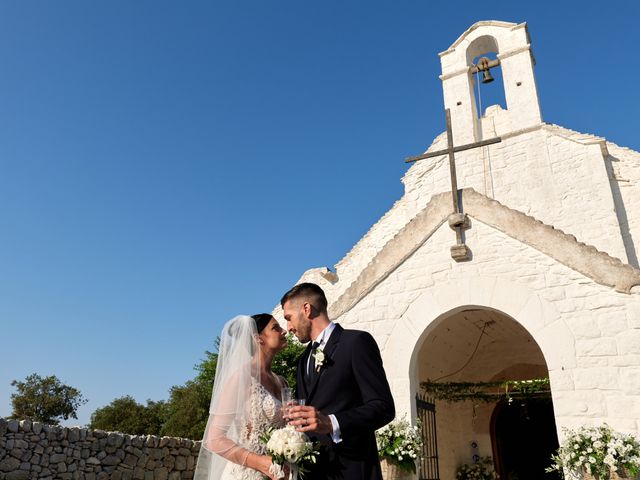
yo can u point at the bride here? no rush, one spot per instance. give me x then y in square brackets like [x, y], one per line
[245, 402]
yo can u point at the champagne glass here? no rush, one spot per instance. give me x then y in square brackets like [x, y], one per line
[287, 401]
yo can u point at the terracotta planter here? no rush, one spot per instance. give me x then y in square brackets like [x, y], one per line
[391, 471]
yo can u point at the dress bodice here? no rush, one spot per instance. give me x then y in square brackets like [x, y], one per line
[264, 412]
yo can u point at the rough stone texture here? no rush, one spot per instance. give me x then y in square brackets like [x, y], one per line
[35, 451]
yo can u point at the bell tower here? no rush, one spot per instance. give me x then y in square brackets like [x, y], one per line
[511, 44]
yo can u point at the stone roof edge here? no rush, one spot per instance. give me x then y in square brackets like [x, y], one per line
[394, 252]
[566, 249]
[601, 267]
[573, 135]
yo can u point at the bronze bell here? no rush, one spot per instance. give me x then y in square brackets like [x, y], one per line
[486, 76]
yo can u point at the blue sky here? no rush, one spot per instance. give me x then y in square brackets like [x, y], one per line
[167, 165]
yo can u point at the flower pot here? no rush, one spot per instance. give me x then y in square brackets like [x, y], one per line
[391, 471]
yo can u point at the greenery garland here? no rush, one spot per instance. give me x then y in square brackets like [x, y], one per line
[488, 392]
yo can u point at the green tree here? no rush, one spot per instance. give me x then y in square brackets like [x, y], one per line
[286, 361]
[126, 415]
[45, 399]
[187, 410]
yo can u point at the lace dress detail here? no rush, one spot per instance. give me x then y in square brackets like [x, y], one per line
[265, 412]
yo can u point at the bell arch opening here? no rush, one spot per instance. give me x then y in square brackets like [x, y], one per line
[476, 344]
[488, 85]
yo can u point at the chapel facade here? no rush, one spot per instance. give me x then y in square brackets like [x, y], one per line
[549, 286]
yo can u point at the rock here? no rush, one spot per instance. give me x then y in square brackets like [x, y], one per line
[3, 427]
[137, 441]
[26, 425]
[9, 464]
[174, 476]
[93, 461]
[161, 474]
[181, 463]
[74, 435]
[17, 475]
[111, 460]
[57, 458]
[17, 453]
[13, 426]
[36, 427]
[151, 441]
[169, 462]
[21, 444]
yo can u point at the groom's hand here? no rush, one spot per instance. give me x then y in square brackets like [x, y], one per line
[309, 419]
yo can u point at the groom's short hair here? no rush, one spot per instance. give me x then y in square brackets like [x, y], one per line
[311, 292]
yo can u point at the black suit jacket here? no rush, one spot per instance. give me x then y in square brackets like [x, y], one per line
[352, 386]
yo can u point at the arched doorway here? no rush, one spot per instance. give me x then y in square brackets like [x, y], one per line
[480, 344]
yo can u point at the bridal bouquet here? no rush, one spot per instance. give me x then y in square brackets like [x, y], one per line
[288, 446]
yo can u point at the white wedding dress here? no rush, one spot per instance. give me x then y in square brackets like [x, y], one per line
[265, 413]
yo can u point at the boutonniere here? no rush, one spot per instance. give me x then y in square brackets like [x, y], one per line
[319, 359]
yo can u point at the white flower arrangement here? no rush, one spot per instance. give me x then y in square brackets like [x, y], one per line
[288, 446]
[400, 443]
[483, 470]
[319, 359]
[598, 451]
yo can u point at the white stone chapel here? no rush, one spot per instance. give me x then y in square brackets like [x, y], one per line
[535, 275]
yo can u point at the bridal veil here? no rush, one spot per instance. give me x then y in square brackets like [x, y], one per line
[236, 371]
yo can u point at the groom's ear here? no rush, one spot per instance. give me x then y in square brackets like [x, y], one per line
[307, 308]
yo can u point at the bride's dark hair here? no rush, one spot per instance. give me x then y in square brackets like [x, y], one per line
[262, 320]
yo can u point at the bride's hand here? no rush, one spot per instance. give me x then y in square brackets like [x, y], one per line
[271, 471]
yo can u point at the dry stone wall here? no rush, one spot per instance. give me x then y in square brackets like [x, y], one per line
[31, 450]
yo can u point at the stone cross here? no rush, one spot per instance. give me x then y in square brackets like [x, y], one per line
[457, 220]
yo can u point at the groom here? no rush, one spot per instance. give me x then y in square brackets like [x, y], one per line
[347, 395]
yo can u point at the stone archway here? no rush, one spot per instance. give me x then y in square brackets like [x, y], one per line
[529, 340]
[472, 344]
